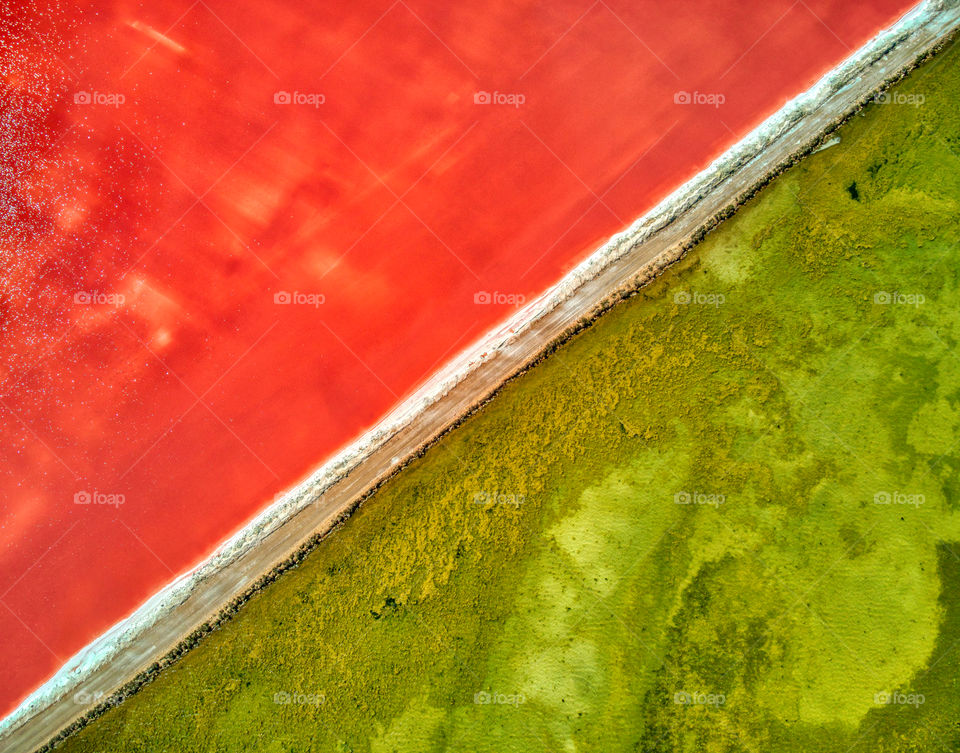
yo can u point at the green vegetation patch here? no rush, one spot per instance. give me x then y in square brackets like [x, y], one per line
[721, 519]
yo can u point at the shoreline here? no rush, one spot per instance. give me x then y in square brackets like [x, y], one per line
[193, 604]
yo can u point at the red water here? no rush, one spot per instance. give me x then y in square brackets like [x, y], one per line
[198, 199]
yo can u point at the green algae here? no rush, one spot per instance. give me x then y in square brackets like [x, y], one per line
[721, 519]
